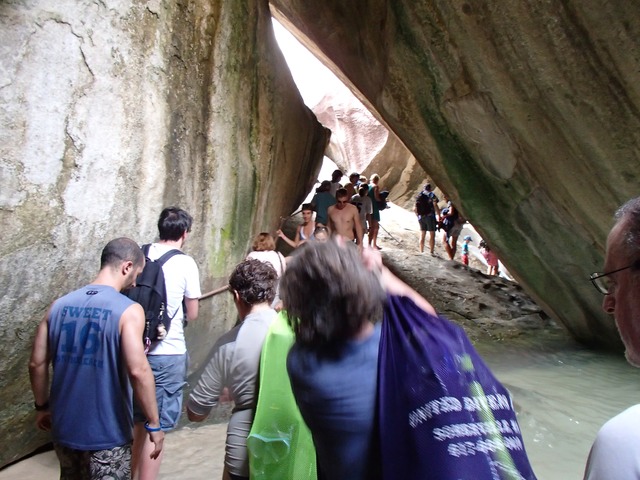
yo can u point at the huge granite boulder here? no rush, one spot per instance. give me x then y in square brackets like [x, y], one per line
[110, 111]
[525, 113]
[356, 136]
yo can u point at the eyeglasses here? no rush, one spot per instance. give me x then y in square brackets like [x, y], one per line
[602, 282]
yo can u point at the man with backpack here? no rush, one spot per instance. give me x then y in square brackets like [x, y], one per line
[452, 224]
[168, 356]
[426, 208]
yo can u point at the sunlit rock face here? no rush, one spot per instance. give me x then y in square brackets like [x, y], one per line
[356, 136]
[110, 111]
[526, 113]
[400, 173]
[360, 143]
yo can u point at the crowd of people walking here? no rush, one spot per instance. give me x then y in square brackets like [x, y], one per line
[333, 292]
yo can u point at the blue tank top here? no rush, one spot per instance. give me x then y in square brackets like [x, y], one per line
[90, 390]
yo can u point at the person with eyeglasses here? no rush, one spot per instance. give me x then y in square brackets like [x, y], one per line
[615, 453]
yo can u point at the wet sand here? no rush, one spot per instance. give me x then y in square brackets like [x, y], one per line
[190, 454]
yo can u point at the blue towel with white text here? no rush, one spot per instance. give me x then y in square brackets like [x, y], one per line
[442, 413]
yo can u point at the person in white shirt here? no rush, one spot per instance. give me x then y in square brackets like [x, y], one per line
[168, 358]
[615, 454]
[264, 249]
[365, 207]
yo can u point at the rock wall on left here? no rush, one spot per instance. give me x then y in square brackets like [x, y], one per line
[110, 111]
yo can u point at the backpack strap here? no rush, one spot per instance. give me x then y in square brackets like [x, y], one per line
[161, 261]
[165, 258]
[280, 256]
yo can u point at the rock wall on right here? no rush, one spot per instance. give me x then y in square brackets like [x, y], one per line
[525, 112]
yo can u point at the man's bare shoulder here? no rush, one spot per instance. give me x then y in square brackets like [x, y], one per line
[352, 208]
[133, 315]
[134, 310]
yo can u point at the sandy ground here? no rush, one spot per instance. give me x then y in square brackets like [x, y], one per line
[190, 454]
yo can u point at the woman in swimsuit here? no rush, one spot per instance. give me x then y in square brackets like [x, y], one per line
[305, 230]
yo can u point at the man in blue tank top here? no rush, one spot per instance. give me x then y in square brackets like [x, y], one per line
[93, 339]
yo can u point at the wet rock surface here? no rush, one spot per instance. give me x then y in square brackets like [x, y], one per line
[110, 112]
[488, 307]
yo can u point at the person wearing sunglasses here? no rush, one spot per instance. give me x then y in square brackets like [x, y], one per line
[615, 454]
[344, 218]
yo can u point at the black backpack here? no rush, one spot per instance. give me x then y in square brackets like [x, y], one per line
[446, 223]
[150, 292]
[382, 203]
[424, 204]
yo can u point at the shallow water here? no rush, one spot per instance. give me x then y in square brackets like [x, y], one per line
[563, 394]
